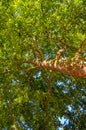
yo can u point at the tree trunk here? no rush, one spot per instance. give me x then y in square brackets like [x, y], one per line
[74, 67]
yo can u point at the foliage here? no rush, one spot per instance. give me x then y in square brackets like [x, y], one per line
[37, 98]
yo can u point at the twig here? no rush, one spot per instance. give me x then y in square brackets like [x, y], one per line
[63, 42]
[80, 49]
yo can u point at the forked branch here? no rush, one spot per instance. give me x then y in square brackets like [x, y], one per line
[75, 67]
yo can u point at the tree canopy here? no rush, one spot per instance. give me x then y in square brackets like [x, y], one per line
[42, 64]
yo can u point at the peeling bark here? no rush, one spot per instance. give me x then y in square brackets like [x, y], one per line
[74, 67]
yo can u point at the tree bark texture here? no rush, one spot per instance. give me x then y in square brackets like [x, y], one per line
[74, 67]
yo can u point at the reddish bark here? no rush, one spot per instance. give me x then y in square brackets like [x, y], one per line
[73, 67]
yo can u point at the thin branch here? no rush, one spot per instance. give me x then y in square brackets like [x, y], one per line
[82, 46]
[80, 50]
[63, 42]
[60, 53]
[20, 69]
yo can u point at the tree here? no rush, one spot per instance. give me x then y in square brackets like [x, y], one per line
[42, 64]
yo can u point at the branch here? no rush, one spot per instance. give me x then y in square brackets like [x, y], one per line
[60, 53]
[20, 69]
[80, 50]
[63, 42]
[66, 66]
[82, 46]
